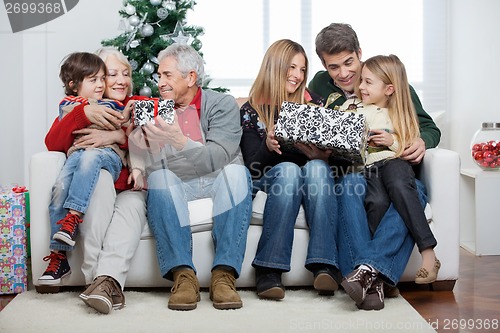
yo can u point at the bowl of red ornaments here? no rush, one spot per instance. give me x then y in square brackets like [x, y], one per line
[485, 146]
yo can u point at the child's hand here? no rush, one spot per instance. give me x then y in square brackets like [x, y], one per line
[137, 178]
[127, 111]
[271, 142]
[380, 137]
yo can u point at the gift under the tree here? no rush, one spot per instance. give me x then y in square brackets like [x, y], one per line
[13, 245]
[146, 110]
[345, 133]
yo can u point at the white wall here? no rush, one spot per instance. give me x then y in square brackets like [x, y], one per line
[30, 87]
[11, 105]
[474, 71]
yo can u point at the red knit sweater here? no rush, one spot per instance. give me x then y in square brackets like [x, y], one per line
[60, 137]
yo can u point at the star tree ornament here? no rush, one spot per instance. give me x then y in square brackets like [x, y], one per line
[178, 36]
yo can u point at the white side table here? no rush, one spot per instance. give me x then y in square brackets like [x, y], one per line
[480, 211]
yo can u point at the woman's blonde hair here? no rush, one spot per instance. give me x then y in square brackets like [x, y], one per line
[106, 51]
[269, 88]
[402, 112]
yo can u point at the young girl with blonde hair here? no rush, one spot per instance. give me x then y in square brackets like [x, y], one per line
[390, 114]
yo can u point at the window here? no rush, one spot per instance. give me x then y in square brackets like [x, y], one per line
[234, 44]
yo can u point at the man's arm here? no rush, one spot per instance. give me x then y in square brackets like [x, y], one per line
[429, 132]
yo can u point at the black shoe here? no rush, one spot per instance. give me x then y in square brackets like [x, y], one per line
[357, 283]
[268, 283]
[390, 291]
[326, 280]
[374, 299]
[69, 229]
[57, 269]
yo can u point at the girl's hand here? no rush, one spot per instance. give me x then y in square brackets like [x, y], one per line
[128, 111]
[271, 142]
[380, 138]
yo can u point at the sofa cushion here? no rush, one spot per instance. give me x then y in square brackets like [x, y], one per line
[201, 218]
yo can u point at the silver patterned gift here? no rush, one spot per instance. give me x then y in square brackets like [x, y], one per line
[146, 110]
[345, 133]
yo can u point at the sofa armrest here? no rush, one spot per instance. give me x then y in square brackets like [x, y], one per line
[44, 168]
[440, 174]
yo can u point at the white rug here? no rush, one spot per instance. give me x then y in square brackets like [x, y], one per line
[301, 310]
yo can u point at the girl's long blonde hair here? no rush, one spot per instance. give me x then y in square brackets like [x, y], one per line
[269, 88]
[402, 112]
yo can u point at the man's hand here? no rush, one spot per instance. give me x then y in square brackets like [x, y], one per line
[314, 153]
[93, 138]
[415, 153]
[104, 117]
[162, 133]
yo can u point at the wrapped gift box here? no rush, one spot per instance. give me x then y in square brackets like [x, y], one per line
[345, 133]
[146, 110]
[13, 244]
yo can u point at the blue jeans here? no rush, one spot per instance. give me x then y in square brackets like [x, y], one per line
[75, 185]
[287, 187]
[168, 216]
[390, 247]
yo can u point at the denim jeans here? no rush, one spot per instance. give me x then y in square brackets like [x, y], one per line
[168, 216]
[390, 247]
[287, 187]
[75, 185]
[393, 181]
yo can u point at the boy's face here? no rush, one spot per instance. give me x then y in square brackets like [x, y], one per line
[344, 68]
[92, 86]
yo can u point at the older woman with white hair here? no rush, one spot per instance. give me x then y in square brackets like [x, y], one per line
[113, 224]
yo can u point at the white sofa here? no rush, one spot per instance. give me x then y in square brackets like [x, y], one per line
[440, 173]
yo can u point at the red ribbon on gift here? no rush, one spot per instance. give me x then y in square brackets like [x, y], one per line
[19, 189]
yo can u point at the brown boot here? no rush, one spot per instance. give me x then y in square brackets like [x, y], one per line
[185, 292]
[223, 292]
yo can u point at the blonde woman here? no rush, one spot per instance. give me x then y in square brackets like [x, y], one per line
[290, 178]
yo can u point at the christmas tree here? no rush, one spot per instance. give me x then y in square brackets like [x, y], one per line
[149, 27]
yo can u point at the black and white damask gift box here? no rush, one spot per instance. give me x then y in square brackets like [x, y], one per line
[146, 110]
[345, 133]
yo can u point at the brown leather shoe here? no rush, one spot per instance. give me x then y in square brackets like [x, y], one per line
[223, 292]
[185, 292]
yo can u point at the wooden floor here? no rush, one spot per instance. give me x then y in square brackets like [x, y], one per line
[472, 306]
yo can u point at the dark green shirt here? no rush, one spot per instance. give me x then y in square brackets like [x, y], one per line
[322, 84]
